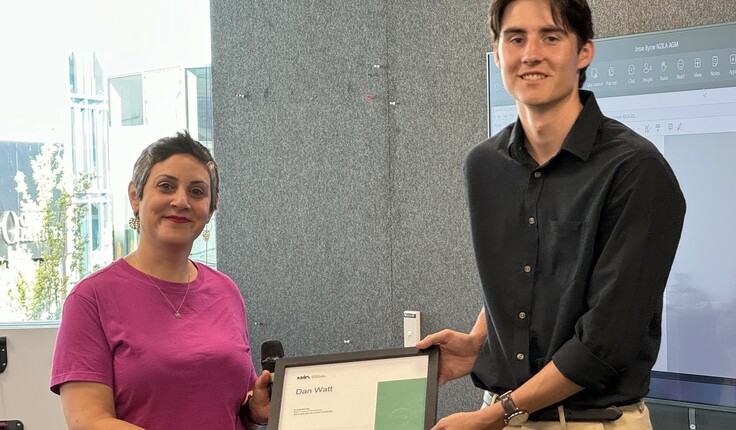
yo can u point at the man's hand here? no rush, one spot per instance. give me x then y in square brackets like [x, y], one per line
[457, 352]
[484, 419]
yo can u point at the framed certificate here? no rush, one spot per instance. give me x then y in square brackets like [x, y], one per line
[389, 389]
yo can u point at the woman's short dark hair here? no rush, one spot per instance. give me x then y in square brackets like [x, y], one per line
[572, 15]
[160, 150]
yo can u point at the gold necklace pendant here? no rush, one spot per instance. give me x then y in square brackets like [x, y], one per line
[177, 311]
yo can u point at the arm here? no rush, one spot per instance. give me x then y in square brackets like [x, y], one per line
[457, 356]
[257, 405]
[547, 387]
[639, 230]
[458, 351]
[90, 406]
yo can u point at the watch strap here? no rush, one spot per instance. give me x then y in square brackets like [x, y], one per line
[511, 411]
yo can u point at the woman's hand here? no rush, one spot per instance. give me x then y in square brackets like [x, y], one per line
[257, 404]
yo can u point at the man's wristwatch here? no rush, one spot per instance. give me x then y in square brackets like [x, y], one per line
[513, 416]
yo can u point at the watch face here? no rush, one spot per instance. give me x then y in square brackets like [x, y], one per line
[517, 418]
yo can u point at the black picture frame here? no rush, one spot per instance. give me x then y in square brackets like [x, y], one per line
[294, 363]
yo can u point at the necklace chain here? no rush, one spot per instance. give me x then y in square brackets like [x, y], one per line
[177, 314]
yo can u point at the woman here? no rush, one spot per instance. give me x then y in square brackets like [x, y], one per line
[155, 340]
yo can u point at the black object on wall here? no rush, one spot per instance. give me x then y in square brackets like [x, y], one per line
[3, 353]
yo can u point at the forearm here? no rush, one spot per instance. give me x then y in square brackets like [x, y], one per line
[548, 387]
[107, 423]
[90, 406]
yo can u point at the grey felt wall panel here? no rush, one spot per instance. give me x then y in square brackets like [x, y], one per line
[618, 17]
[343, 201]
[307, 167]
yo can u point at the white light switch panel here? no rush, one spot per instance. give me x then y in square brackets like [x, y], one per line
[412, 330]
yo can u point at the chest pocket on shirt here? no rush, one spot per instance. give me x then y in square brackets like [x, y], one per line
[564, 247]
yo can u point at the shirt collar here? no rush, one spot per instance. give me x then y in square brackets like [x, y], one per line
[582, 135]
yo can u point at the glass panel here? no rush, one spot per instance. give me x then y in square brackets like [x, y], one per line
[77, 109]
[126, 100]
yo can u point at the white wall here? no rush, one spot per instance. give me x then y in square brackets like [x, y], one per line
[24, 386]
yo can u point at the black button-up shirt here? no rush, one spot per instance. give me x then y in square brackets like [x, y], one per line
[573, 257]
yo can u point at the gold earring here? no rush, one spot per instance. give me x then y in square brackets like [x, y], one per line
[135, 223]
[206, 234]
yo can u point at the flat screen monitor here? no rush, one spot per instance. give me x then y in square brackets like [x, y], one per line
[678, 89]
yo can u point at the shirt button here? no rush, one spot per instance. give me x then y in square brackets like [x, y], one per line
[519, 356]
[532, 220]
[537, 175]
[527, 269]
[522, 315]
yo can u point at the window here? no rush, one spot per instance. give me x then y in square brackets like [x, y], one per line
[126, 100]
[199, 91]
[87, 87]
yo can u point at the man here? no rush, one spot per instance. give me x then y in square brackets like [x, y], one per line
[575, 222]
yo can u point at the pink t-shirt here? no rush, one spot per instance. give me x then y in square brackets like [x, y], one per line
[166, 373]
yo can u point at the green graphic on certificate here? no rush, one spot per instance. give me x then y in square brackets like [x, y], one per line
[400, 404]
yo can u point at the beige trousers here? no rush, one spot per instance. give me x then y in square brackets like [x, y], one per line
[635, 417]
